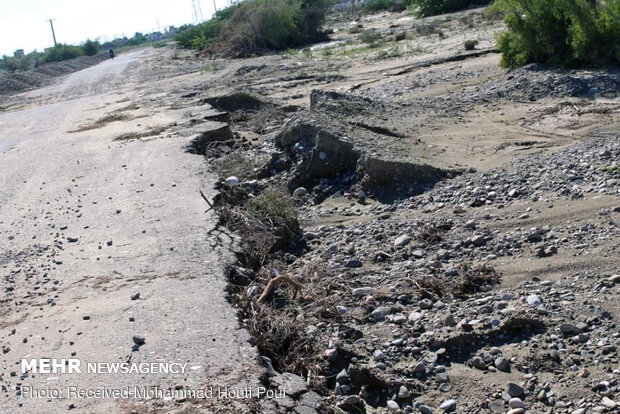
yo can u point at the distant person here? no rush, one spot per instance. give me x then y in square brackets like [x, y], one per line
[111, 53]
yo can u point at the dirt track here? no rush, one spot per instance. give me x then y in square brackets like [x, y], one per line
[85, 223]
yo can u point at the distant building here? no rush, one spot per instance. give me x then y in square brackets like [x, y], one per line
[19, 53]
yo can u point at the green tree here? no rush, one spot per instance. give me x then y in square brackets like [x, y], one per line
[90, 48]
[567, 32]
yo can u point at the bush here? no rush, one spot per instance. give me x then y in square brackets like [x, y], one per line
[90, 48]
[11, 64]
[390, 5]
[259, 25]
[61, 52]
[566, 32]
[254, 26]
[470, 44]
[434, 7]
[369, 36]
[276, 206]
[15, 63]
[202, 35]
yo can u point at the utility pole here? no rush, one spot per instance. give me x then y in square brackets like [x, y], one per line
[53, 34]
[214, 6]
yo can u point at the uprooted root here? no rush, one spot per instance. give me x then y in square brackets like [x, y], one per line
[275, 281]
[279, 335]
[283, 333]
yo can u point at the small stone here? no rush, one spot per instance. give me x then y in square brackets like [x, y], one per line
[300, 192]
[608, 402]
[393, 406]
[477, 240]
[516, 403]
[501, 363]
[403, 393]
[232, 181]
[353, 263]
[135, 296]
[442, 378]
[358, 292]
[479, 363]
[425, 409]
[448, 405]
[342, 377]
[379, 313]
[425, 304]
[569, 329]
[449, 320]
[402, 241]
[534, 236]
[514, 389]
[445, 387]
[533, 300]
[414, 317]
[139, 340]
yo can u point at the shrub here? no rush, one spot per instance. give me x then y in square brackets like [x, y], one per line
[390, 5]
[369, 36]
[566, 32]
[470, 44]
[11, 64]
[276, 206]
[254, 26]
[90, 48]
[61, 52]
[202, 35]
[427, 29]
[356, 29]
[426, 8]
[259, 25]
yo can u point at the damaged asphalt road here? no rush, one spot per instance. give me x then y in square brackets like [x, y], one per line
[103, 241]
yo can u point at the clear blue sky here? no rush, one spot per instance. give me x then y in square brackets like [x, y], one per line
[24, 25]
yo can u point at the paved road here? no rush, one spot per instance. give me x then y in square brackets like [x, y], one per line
[85, 223]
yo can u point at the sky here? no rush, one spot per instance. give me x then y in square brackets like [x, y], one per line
[24, 24]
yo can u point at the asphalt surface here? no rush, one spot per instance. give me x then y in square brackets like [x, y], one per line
[86, 223]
